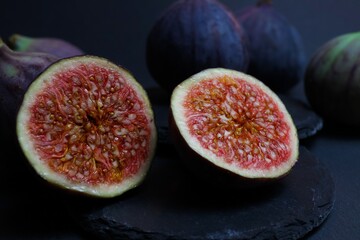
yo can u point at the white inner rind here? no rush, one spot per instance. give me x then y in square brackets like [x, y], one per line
[178, 110]
[26, 143]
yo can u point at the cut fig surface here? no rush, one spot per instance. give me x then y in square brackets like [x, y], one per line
[235, 122]
[87, 125]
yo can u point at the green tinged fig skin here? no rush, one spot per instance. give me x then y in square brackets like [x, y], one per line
[332, 80]
[193, 35]
[86, 125]
[54, 46]
[277, 55]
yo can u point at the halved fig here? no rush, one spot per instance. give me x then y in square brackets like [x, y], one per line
[86, 125]
[233, 122]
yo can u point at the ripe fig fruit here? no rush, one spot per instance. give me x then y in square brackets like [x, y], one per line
[17, 71]
[332, 80]
[86, 125]
[277, 55]
[193, 35]
[54, 46]
[233, 124]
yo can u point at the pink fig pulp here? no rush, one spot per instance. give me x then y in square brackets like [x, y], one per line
[233, 122]
[87, 125]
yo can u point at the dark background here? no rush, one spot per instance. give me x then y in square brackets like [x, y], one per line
[117, 30]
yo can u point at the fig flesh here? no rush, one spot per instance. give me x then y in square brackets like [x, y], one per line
[332, 80]
[277, 55]
[54, 46]
[86, 125]
[193, 35]
[235, 124]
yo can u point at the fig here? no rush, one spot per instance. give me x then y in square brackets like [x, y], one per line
[17, 71]
[86, 125]
[193, 35]
[277, 55]
[54, 46]
[230, 123]
[332, 80]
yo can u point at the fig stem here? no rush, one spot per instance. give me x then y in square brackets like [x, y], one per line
[19, 42]
[264, 2]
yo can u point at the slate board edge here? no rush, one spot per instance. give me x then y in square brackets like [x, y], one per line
[106, 228]
[112, 230]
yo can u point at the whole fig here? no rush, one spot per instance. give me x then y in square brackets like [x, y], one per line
[332, 80]
[17, 71]
[193, 35]
[277, 55]
[54, 46]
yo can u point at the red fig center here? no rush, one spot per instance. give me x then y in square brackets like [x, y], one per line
[89, 125]
[238, 122]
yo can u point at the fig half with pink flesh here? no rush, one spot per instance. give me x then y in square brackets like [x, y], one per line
[86, 125]
[234, 124]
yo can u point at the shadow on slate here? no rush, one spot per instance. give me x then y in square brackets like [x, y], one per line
[30, 208]
[170, 204]
[307, 122]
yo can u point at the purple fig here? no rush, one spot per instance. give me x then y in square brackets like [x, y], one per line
[17, 71]
[193, 35]
[55, 46]
[277, 55]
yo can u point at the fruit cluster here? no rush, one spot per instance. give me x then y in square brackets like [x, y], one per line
[85, 124]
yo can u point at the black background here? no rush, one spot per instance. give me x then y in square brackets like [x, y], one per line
[117, 30]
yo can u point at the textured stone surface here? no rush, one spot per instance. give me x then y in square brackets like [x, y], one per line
[171, 205]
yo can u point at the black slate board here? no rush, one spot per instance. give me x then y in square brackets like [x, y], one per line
[171, 205]
[307, 122]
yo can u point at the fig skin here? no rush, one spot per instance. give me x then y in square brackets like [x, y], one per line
[59, 180]
[192, 35]
[17, 71]
[198, 162]
[332, 80]
[55, 46]
[277, 55]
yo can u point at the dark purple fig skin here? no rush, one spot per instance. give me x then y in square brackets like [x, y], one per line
[17, 71]
[55, 46]
[332, 81]
[193, 35]
[277, 55]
